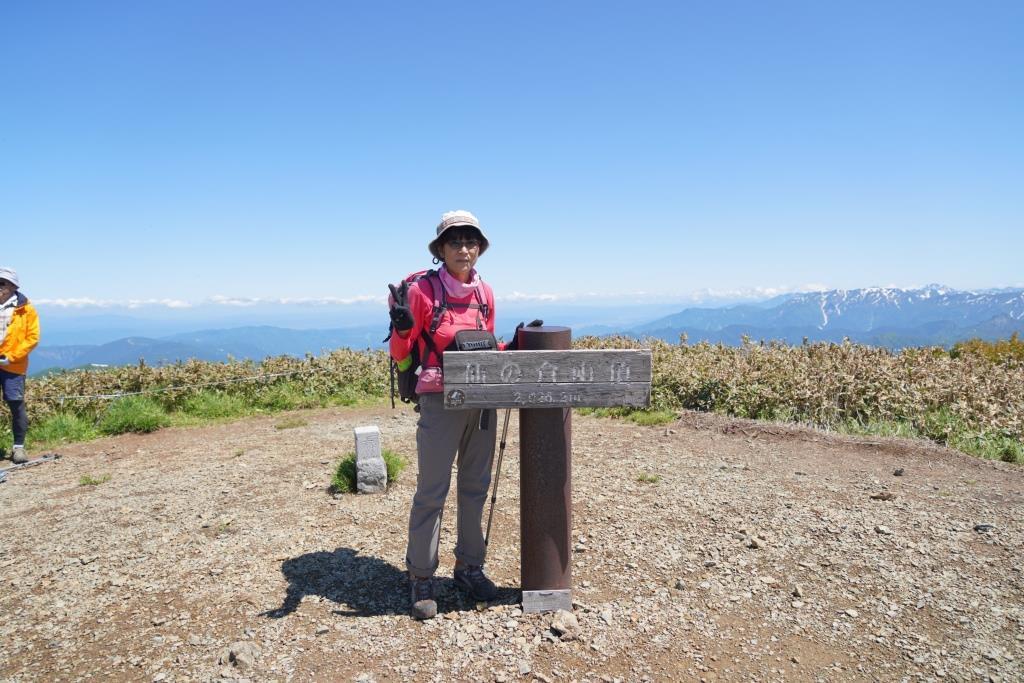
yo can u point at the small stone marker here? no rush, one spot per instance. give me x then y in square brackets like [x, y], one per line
[371, 472]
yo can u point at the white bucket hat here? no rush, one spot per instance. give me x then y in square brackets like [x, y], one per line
[455, 219]
[12, 277]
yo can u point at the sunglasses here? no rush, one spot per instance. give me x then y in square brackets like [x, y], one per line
[469, 243]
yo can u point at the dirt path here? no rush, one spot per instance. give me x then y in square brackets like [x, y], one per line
[226, 534]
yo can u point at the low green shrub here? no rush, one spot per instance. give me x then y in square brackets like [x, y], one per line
[395, 464]
[990, 446]
[344, 478]
[1009, 450]
[288, 396]
[62, 428]
[214, 405]
[133, 414]
[941, 427]
[350, 396]
[879, 428]
[604, 412]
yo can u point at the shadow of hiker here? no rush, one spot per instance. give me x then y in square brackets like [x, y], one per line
[367, 585]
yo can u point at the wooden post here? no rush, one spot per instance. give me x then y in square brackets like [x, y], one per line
[545, 489]
[546, 379]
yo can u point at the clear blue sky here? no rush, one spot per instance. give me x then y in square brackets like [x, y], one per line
[184, 150]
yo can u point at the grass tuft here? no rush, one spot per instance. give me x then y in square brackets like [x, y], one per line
[288, 396]
[647, 417]
[990, 446]
[89, 480]
[213, 405]
[395, 464]
[62, 428]
[648, 478]
[133, 414]
[291, 423]
[942, 427]
[344, 478]
[650, 418]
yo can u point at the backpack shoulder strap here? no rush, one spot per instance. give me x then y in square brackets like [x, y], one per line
[439, 305]
[440, 302]
[486, 307]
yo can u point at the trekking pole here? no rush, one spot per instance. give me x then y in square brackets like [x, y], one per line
[391, 367]
[497, 476]
[49, 457]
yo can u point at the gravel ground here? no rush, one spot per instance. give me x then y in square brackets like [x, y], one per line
[761, 553]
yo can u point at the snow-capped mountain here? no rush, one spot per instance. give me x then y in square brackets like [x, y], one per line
[934, 314]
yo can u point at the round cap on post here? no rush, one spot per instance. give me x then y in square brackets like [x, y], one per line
[545, 338]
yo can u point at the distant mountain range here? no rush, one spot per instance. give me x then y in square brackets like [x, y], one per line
[894, 318]
[252, 342]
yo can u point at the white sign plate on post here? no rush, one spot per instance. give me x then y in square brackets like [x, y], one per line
[547, 379]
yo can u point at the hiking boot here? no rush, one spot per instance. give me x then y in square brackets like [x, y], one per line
[424, 606]
[18, 455]
[472, 579]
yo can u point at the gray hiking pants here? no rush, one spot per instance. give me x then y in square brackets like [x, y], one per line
[440, 435]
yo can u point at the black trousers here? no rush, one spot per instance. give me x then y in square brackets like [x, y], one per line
[19, 421]
[12, 386]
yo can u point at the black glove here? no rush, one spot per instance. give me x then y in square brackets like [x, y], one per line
[401, 314]
[514, 344]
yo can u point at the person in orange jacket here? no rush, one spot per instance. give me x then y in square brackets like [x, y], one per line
[19, 334]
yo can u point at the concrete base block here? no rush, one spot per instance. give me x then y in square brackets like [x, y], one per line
[547, 601]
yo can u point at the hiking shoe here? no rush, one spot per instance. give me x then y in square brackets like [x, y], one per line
[424, 606]
[472, 579]
[18, 455]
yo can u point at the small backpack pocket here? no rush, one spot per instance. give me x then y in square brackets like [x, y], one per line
[474, 340]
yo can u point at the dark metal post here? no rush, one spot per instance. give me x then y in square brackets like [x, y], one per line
[545, 490]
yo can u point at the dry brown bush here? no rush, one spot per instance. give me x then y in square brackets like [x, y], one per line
[832, 384]
[824, 384]
[341, 372]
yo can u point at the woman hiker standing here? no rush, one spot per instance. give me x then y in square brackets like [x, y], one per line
[19, 334]
[450, 300]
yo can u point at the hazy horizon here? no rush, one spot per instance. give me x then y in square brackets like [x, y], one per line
[83, 323]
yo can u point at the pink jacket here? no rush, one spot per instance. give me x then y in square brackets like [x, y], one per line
[458, 316]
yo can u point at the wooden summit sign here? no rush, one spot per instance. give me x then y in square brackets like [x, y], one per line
[547, 379]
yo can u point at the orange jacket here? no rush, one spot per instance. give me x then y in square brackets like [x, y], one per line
[22, 336]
